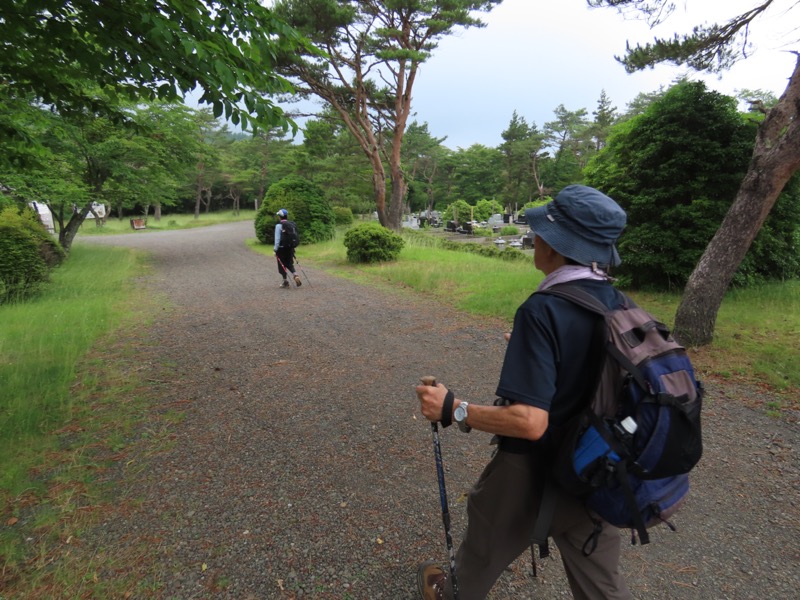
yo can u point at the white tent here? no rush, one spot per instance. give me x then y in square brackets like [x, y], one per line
[45, 216]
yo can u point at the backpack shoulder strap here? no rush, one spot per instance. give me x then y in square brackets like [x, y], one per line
[581, 297]
[547, 508]
[589, 302]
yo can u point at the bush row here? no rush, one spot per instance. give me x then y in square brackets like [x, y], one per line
[492, 251]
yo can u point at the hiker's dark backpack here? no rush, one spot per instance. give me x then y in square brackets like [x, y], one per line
[289, 236]
[628, 454]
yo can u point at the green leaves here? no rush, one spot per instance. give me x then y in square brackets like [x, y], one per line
[711, 48]
[676, 169]
[57, 49]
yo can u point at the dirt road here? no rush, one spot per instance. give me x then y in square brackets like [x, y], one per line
[301, 467]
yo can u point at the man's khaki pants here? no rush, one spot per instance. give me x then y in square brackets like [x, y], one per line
[502, 510]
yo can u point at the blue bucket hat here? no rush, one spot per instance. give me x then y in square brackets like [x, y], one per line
[283, 213]
[582, 224]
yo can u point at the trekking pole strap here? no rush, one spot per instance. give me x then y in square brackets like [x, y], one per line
[547, 509]
[638, 521]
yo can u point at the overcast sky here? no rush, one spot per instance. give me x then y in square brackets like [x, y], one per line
[536, 54]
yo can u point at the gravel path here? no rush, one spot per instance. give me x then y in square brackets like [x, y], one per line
[302, 469]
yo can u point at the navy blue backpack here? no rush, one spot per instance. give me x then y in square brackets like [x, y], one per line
[628, 454]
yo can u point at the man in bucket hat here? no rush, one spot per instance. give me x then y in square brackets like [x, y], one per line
[544, 381]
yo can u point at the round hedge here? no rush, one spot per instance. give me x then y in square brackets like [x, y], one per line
[307, 207]
[371, 242]
[344, 215]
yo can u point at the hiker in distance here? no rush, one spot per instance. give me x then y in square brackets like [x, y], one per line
[546, 378]
[286, 240]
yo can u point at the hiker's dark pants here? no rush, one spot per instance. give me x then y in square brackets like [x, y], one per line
[502, 509]
[285, 256]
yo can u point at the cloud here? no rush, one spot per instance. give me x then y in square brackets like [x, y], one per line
[533, 56]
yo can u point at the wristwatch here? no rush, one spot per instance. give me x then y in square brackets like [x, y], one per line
[460, 415]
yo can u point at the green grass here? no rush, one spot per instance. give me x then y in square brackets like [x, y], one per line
[43, 340]
[68, 409]
[114, 225]
[756, 338]
[759, 328]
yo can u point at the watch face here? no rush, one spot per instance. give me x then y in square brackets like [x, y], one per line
[460, 413]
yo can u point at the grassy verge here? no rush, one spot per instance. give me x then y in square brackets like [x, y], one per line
[167, 222]
[70, 410]
[756, 339]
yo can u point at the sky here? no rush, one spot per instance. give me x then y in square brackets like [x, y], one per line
[534, 55]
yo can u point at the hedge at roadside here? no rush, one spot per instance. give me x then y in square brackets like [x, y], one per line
[27, 253]
[421, 238]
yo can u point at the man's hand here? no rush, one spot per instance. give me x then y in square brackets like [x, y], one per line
[431, 399]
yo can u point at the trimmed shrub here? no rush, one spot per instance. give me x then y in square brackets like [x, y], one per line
[418, 238]
[483, 250]
[509, 230]
[343, 215]
[486, 208]
[26, 219]
[27, 253]
[307, 207]
[22, 268]
[371, 242]
[6, 201]
[460, 211]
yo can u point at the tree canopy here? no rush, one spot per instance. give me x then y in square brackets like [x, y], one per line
[675, 169]
[775, 158]
[62, 51]
[711, 48]
[364, 64]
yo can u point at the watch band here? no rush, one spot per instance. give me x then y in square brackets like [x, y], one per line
[447, 409]
[462, 424]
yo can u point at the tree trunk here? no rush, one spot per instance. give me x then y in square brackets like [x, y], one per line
[234, 195]
[379, 187]
[398, 197]
[429, 189]
[776, 157]
[198, 196]
[67, 234]
[58, 217]
[157, 212]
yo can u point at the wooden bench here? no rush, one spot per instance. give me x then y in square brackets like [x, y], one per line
[138, 224]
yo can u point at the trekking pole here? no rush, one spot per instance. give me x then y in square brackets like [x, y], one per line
[437, 452]
[285, 270]
[303, 272]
